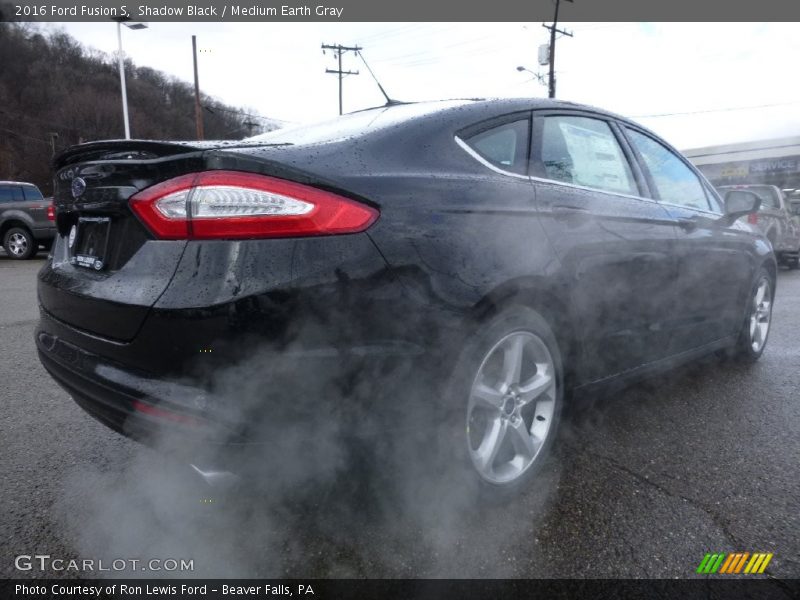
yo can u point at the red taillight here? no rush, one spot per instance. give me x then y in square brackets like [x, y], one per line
[752, 218]
[234, 205]
[51, 212]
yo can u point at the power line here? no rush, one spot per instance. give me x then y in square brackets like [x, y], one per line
[22, 135]
[712, 110]
[390, 33]
[3, 111]
[213, 109]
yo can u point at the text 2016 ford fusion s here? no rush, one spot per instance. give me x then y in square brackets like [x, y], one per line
[495, 254]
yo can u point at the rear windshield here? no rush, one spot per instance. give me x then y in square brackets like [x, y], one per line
[351, 125]
[32, 193]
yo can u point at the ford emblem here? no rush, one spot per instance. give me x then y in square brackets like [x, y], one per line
[78, 187]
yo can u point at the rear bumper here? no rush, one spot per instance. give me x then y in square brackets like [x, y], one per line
[200, 442]
[119, 398]
[219, 428]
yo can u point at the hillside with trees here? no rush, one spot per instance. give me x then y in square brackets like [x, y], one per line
[54, 93]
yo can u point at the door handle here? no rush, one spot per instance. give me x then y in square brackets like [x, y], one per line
[569, 213]
[687, 224]
[562, 209]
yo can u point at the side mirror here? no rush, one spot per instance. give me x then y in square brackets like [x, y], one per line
[739, 203]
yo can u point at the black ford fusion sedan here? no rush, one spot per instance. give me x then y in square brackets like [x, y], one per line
[473, 261]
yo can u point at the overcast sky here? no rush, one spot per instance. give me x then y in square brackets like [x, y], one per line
[635, 69]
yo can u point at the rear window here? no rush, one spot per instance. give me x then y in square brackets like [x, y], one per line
[11, 193]
[505, 146]
[32, 193]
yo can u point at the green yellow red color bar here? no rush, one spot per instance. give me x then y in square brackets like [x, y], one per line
[734, 563]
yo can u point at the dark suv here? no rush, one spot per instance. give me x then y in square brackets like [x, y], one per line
[27, 219]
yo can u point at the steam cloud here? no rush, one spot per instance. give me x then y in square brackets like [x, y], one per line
[355, 479]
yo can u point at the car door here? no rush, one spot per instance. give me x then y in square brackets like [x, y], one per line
[714, 266]
[616, 245]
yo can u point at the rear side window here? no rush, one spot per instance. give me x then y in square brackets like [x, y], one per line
[675, 182]
[584, 151]
[505, 146]
[11, 193]
[32, 193]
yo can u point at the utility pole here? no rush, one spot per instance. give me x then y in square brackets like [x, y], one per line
[553, 30]
[338, 50]
[198, 111]
[250, 125]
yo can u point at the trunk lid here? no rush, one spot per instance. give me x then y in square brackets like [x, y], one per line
[93, 184]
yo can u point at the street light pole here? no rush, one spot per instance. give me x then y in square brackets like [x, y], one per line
[122, 83]
[198, 111]
[121, 62]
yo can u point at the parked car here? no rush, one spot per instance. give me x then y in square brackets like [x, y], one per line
[776, 220]
[27, 219]
[502, 251]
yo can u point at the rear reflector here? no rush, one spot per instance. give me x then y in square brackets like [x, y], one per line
[235, 205]
[51, 212]
[160, 413]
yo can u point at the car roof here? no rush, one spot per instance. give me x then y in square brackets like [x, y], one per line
[451, 115]
[506, 105]
[469, 107]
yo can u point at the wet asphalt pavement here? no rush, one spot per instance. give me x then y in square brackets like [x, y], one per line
[642, 484]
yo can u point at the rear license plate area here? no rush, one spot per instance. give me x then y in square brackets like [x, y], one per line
[88, 242]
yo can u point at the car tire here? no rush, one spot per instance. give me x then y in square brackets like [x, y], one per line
[505, 398]
[19, 243]
[758, 319]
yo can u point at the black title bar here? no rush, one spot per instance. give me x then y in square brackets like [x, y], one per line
[405, 10]
[405, 589]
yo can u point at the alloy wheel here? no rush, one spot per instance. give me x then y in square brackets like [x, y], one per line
[511, 407]
[761, 314]
[17, 244]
